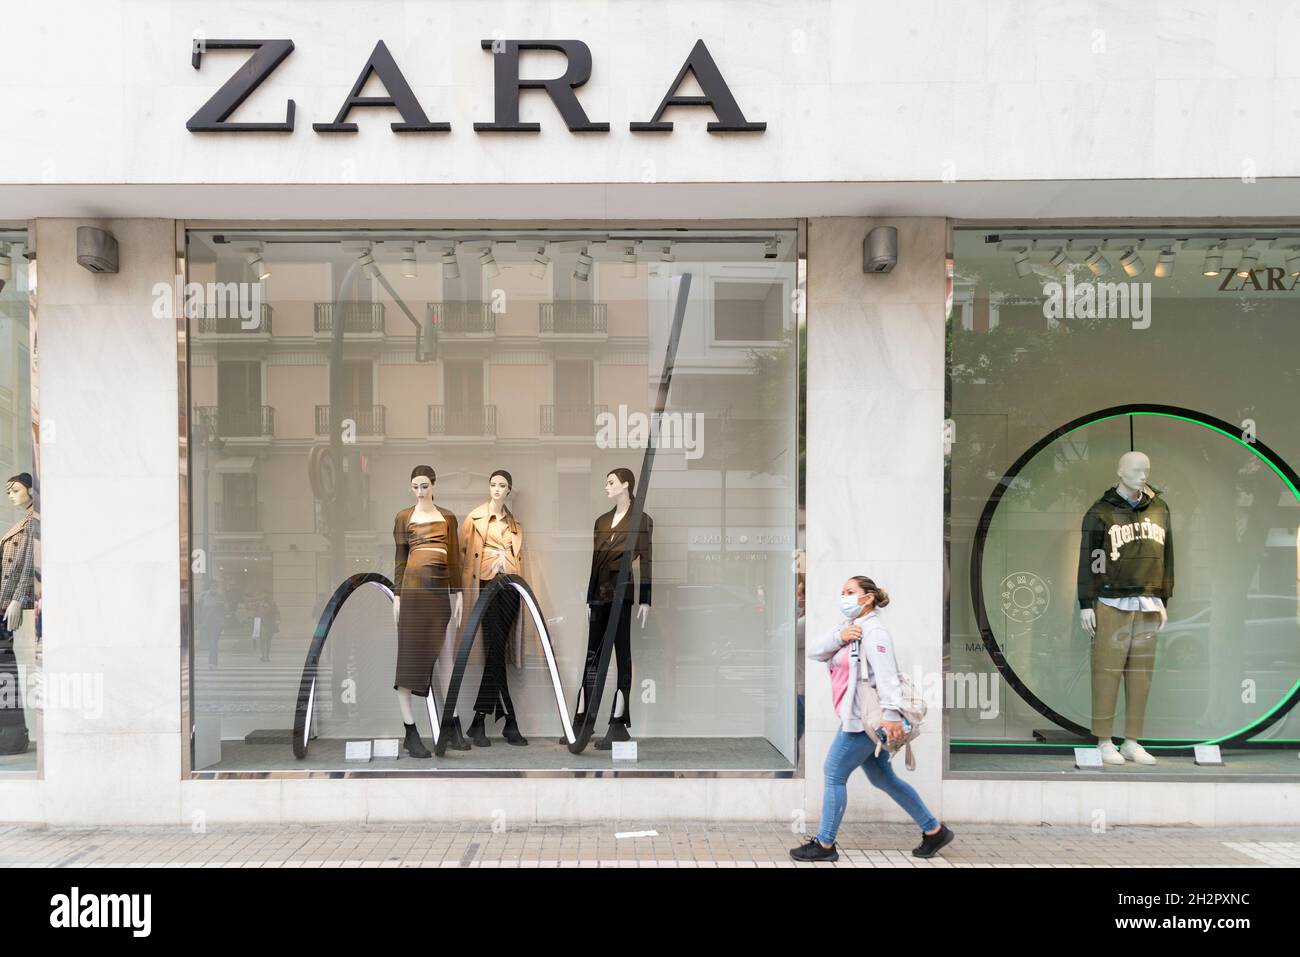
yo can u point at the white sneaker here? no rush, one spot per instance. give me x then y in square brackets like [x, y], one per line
[1134, 752]
[1109, 753]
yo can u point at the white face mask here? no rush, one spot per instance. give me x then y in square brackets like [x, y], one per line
[849, 606]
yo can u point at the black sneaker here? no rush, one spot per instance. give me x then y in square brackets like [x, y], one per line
[932, 844]
[813, 852]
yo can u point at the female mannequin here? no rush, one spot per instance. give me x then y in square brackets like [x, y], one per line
[610, 540]
[492, 543]
[17, 593]
[427, 577]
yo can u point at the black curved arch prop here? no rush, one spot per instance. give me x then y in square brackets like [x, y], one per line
[307, 685]
[1274, 461]
[501, 586]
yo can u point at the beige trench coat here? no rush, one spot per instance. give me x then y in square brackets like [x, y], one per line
[473, 537]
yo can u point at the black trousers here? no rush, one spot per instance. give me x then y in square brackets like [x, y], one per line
[498, 623]
[600, 614]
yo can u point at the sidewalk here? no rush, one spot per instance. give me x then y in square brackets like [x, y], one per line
[679, 844]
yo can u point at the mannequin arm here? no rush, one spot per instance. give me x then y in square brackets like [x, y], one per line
[1088, 618]
[14, 615]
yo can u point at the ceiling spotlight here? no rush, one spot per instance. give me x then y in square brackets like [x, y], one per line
[367, 263]
[1059, 261]
[770, 248]
[1022, 264]
[629, 262]
[1164, 267]
[1247, 264]
[1132, 263]
[450, 267]
[582, 271]
[1293, 261]
[540, 262]
[488, 263]
[1213, 262]
[408, 262]
[664, 267]
[1098, 263]
[257, 265]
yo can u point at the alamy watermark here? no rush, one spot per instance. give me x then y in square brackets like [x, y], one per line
[1098, 300]
[211, 300]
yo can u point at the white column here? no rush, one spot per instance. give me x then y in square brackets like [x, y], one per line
[875, 469]
[110, 529]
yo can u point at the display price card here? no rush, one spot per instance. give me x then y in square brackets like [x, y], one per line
[1087, 758]
[1208, 754]
[357, 751]
[624, 750]
[385, 747]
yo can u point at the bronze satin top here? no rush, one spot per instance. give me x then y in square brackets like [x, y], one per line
[409, 536]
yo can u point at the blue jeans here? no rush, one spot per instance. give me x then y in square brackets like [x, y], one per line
[857, 749]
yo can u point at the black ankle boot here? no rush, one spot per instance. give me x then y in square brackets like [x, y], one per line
[455, 736]
[511, 732]
[414, 745]
[617, 731]
[478, 733]
[578, 719]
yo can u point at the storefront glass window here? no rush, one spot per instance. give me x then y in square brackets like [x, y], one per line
[20, 576]
[394, 437]
[1123, 500]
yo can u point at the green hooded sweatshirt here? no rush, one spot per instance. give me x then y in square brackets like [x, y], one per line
[1136, 545]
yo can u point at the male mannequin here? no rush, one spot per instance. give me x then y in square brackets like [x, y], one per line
[1126, 578]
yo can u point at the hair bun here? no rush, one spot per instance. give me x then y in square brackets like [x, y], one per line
[882, 597]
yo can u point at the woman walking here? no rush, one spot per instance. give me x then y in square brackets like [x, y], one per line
[855, 744]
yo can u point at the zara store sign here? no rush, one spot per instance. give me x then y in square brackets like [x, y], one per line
[214, 115]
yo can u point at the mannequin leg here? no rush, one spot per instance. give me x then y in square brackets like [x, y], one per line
[595, 635]
[620, 709]
[404, 703]
[29, 672]
[1109, 653]
[1138, 671]
[494, 692]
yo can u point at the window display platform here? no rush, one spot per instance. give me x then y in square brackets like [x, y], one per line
[1282, 763]
[541, 754]
[24, 762]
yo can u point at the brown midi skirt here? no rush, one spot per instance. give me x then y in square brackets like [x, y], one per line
[422, 619]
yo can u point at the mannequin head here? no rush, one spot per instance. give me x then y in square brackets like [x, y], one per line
[1134, 467]
[19, 489]
[867, 593]
[620, 482]
[422, 481]
[499, 485]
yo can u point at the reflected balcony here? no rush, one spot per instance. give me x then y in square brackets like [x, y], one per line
[474, 421]
[367, 421]
[246, 425]
[361, 320]
[573, 320]
[570, 421]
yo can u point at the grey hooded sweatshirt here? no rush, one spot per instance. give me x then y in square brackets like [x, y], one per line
[877, 647]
